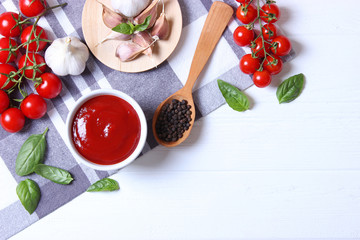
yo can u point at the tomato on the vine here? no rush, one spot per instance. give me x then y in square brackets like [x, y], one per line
[32, 8]
[246, 13]
[50, 87]
[12, 120]
[8, 24]
[7, 47]
[270, 13]
[269, 31]
[4, 101]
[262, 78]
[243, 36]
[6, 69]
[34, 46]
[258, 49]
[273, 64]
[248, 64]
[281, 46]
[34, 60]
[33, 106]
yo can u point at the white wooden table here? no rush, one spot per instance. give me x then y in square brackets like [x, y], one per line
[276, 171]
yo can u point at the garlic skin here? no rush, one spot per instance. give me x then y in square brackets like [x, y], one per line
[129, 8]
[67, 56]
[144, 39]
[111, 19]
[115, 36]
[151, 10]
[127, 51]
[161, 28]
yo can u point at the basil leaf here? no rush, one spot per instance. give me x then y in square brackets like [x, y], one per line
[143, 26]
[29, 194]
[31, 153]
[236, 99]
[57, 175]
[123, 28]
[290, 88]
[105, 184]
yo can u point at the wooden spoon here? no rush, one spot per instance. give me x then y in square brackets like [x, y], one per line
[216, 21]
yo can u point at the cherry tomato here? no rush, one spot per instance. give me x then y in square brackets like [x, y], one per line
[262, 78]
[29, 73]
[243, 36]
[248, 64]
[7, 46]
[269, 31]
[258, 48]
[8, 26]
[50, 86]
[32, 8]
[281, 46]
[270, 13]
[4, 101]
[6, 69]
[25, 36]
[243, 1]
[246, 13]
[273, 64]
[33, 106]
[12, 120]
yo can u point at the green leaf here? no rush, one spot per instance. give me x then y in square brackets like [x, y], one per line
[31, 153]
[29, 194]
[290, 89]
[123, 28]
[143, 26]
[105, 184]
[57, 175]
[236, 99]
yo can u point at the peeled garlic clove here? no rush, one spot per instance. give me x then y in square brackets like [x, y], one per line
[111, 19]
[151, 10]
[129, 8]
[161, 27]
[115, 36]
[144, 39]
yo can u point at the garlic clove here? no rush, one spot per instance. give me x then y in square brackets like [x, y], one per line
[144, 39]
[111, 19]
[161, 28]
[128, 51]
[151, 10]
[115, 36]
[129, 8]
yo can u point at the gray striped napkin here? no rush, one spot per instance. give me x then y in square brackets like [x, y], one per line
[149, 89]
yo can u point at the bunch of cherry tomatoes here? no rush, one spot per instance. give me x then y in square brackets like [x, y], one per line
[267, 47]
[31, 39]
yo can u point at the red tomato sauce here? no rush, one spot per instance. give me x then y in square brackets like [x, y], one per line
[106, 130]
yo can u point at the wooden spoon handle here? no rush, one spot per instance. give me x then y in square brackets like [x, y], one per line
[216, 21]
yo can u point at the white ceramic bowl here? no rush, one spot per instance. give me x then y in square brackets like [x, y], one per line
[143, 126]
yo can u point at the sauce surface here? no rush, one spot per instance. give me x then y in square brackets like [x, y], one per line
[106, 130]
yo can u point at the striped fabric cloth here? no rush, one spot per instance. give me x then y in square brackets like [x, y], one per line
[148, 89]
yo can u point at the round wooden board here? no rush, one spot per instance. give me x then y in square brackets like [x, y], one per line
[95, 30]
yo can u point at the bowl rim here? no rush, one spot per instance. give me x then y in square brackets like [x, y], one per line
[143, 129]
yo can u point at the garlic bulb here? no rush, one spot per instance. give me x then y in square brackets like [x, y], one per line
[129, 8]
[67, 56]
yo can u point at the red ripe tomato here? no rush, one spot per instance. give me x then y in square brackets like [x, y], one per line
[6, 69]
[4, 101]
[25, 36]
[273, 64]
[34, 60]
[258, 49]
[12, 120]
[262, 78]
[248, 64]
[32, 8]
[243, 36]
[269, 31]
[33, 106]
[281, 46]
[8, 26]
[8, 55]
[243, 1]
[246, 13]
[50, 86]
[270, 13]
